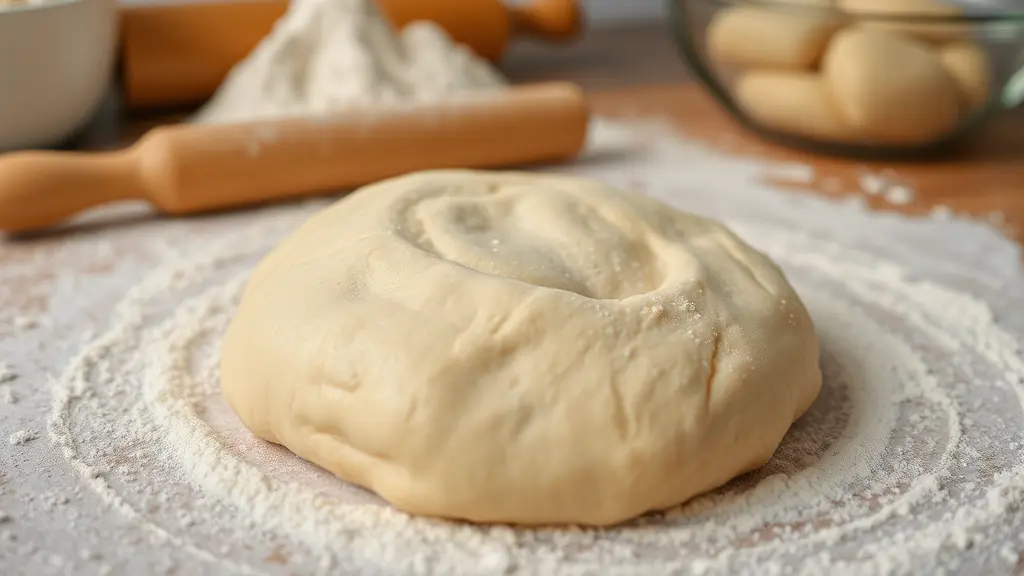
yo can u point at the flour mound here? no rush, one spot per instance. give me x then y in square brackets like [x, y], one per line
[325, 55]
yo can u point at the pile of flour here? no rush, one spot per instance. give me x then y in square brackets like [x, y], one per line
[910, 462]
[325, 55]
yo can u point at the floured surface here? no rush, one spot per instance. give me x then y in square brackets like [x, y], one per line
[911, 458]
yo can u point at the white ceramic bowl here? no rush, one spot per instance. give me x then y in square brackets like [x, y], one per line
[56, 62]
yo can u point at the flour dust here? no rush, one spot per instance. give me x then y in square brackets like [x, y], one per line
[910, 460]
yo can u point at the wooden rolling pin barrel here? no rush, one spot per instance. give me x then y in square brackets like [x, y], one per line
[190, 168]
[178, 54]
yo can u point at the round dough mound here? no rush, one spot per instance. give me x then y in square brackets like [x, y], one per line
[511, 347]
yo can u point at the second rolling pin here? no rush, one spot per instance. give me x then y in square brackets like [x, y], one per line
[191, 168]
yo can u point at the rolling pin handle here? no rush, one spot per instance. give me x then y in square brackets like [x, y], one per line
[189, 168]
[39, 189]
[548, 19]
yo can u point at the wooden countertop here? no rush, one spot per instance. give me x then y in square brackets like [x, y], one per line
[984, 177]
[635, 71]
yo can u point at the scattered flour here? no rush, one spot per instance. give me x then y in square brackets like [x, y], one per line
[997, 219]
[53, 500]
[1008, 554]
[941, 212]
[4, 517]
[872, 184]
[880, 477]
[792, 172]
[325, 55]
[7, 374]
[899, 195]
[25, 322]
[22, 436]
[886, 185]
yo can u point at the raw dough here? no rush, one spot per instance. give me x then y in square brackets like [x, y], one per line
[508, 347]
[773, 37]
[968, 64]
[889, 10]
[791, 102]
[890, 87]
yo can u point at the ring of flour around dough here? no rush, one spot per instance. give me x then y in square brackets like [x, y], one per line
[338, 525]
[455, 392]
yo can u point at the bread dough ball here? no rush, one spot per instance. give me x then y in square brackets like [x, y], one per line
[797, 103]
[509, 347]
[771, 37]
[927, 31]
[968, 64]
[890, 87]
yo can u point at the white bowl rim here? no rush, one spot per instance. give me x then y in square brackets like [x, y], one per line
[36, 6]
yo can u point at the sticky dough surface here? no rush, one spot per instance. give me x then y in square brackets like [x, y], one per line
[507, 347]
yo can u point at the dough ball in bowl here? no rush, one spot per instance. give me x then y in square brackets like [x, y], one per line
[511, 347]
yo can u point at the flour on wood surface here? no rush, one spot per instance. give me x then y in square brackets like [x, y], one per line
[326, 55]
[899, 195]
[911, 461]
[887, 185]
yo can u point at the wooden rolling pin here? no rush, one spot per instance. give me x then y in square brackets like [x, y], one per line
[179, 53]
[189, 168]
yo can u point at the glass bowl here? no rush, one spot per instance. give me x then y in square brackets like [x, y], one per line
[869, 78]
